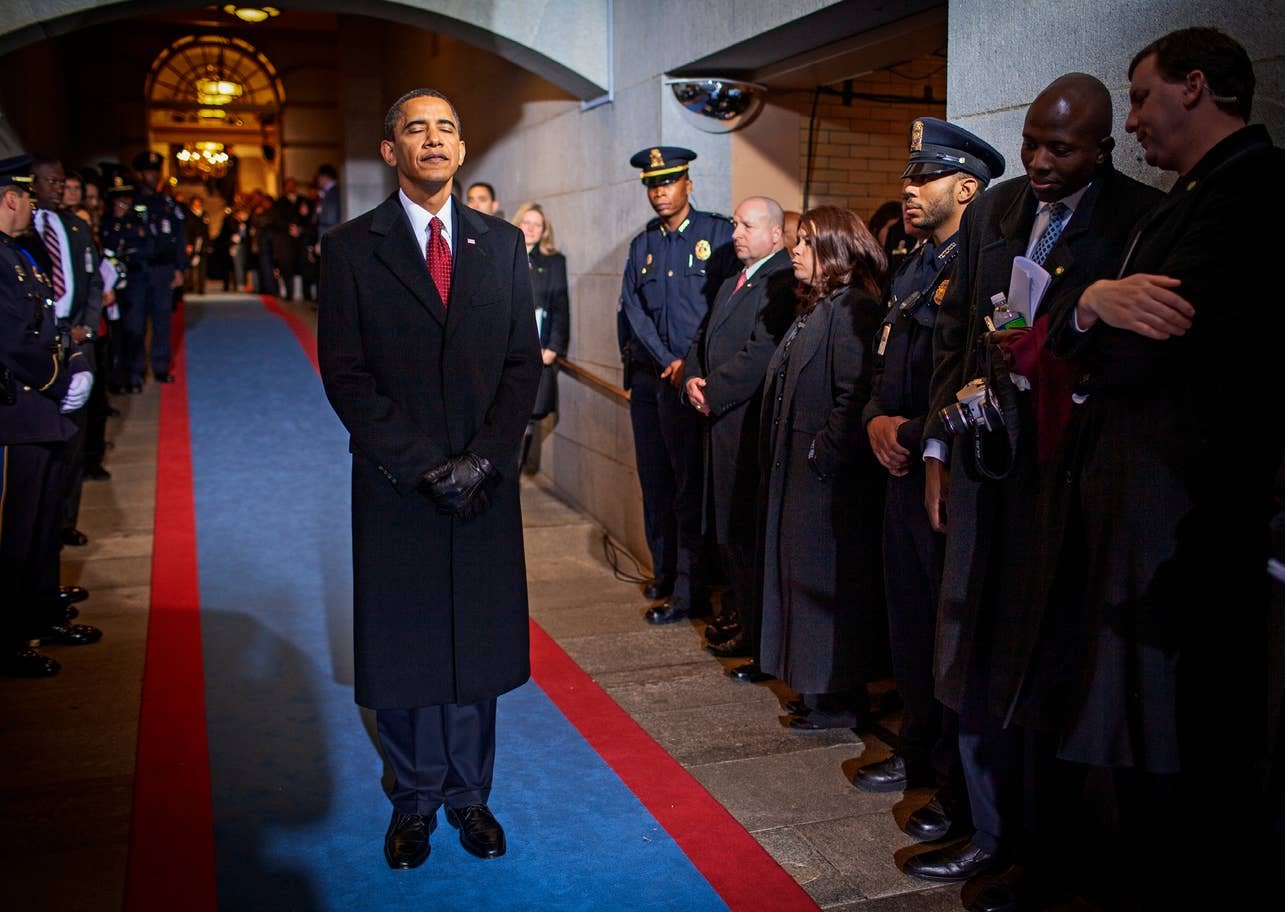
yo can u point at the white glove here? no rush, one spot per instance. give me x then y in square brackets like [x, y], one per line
[78, 392]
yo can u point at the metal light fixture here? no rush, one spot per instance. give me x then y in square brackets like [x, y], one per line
[203, 159]
[252, 13]
[217, 91]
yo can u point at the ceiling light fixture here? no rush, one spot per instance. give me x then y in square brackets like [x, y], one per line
[252, 13]
[217, 91]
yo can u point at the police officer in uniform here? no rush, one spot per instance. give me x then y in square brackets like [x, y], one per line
[39, 385]
[164, 273]
[674, 270]
[128, 243]
[948, 168]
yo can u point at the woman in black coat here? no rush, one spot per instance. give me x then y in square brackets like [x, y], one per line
[552, 307]
[821, 487]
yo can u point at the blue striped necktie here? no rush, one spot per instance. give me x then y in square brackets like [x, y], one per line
[1057, 221]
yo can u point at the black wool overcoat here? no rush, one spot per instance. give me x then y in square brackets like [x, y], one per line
[731, 351]
[549, 291]
[440, 604]
[1003, 538]
[1172, 463]
[821, 518]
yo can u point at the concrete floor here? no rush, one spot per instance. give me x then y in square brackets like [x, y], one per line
[66, 772]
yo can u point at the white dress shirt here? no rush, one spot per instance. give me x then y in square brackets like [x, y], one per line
[420, 219]
[62, 306]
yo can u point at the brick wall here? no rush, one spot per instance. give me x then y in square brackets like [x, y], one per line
[859, 150]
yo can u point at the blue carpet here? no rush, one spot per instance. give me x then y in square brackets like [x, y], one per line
[299, 814]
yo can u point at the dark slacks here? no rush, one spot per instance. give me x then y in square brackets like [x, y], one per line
[97, 407]
[73, 470]
[738, 566]
[439, 755]
[32, 514]
[157, 302]
[670, 454]
[912, 558]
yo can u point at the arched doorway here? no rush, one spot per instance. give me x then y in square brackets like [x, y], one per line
[214, 111]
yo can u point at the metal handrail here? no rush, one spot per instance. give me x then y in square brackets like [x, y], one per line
[589, 378]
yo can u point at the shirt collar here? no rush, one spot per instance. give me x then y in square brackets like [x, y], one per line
[750, 270]
[420, 217]
[1070, 202]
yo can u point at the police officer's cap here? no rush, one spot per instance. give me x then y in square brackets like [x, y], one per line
[119, 187]
[148, 161]
[117, 181]
[938, 147]
[16, 172]
[662, 164]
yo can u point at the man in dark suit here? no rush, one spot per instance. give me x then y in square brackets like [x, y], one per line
[1070, 213]
[1177, 439]
[725, 369]
[429, 356]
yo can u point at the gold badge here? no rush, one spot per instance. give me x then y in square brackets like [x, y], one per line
[940, 294]
[702, 250]
[22, 276]
[917, 136]
[657, 160]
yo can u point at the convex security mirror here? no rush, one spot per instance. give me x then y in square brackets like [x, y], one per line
[717, 105]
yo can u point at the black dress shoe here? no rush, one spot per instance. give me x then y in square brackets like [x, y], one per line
[27, 663]
[480, 832]
[998, 896]
[659, 588]
[885, 776]
[406, 843]
[738, 646]
[669, 612]
[722, 629]
[164, 377]
[70, 595]
[952, 863]
[930, 823]
[68, 635]
[749, 673]
[73, 537]
[97, 473]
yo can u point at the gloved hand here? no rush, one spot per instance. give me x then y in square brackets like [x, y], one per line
[459, 486]
[78, 392]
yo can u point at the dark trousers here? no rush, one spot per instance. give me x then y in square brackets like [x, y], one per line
[439, 754]
[912, 558]
[73, 468]
[32, 513]
[669, 453]
[126, 338]
[738, 566]
[156, 302]
[96, 408]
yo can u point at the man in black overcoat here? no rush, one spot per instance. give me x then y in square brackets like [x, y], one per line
[1070, 212]
[1175, 448]
[725, 368]
[429, 356]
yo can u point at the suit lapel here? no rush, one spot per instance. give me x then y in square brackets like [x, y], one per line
[809, 341]
[399, 251]
[724, 309]
[1076, 236]
[471, 262]
[1014, 231]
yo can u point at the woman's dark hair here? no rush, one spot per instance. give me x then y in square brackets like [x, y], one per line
[845, 253]
[1221, 58]
[886, 214]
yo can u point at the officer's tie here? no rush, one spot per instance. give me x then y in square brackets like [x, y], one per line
[54, 246]
[438, 257]
[1057, 221]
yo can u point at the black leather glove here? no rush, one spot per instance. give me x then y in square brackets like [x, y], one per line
[459, 486]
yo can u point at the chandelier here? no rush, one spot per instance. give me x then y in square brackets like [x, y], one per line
[217, 91]
[252, 13]
[203, 160]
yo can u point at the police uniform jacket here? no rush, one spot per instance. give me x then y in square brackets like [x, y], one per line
[731, 351]
[440, 604]
[1173, 456]
[33, 376]
[549, 292]
[128, 241]
[821, 498]
[670, 280]
[164, 219]
[997, 583]
[903, 353]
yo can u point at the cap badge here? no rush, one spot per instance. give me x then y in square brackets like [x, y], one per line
[657, 160]
[917, 136]
[702, 249]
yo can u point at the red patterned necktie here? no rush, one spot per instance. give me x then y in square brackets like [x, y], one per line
[438, 257]
[740, 282]
[54, 246]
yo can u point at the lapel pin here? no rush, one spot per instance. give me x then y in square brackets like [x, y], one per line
[470, 240]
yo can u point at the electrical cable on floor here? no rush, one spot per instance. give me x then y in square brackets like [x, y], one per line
[612, 552]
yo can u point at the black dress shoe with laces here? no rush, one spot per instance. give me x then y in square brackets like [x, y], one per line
[953, 863]
[885, 776]
[670, 612]
[659, 588]
[71, 595]
[735, 647]
[480, 833]
[749, 673]
[406, 843]
[73, 537]
[930, 823]
[27, 663]
[63, 634]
